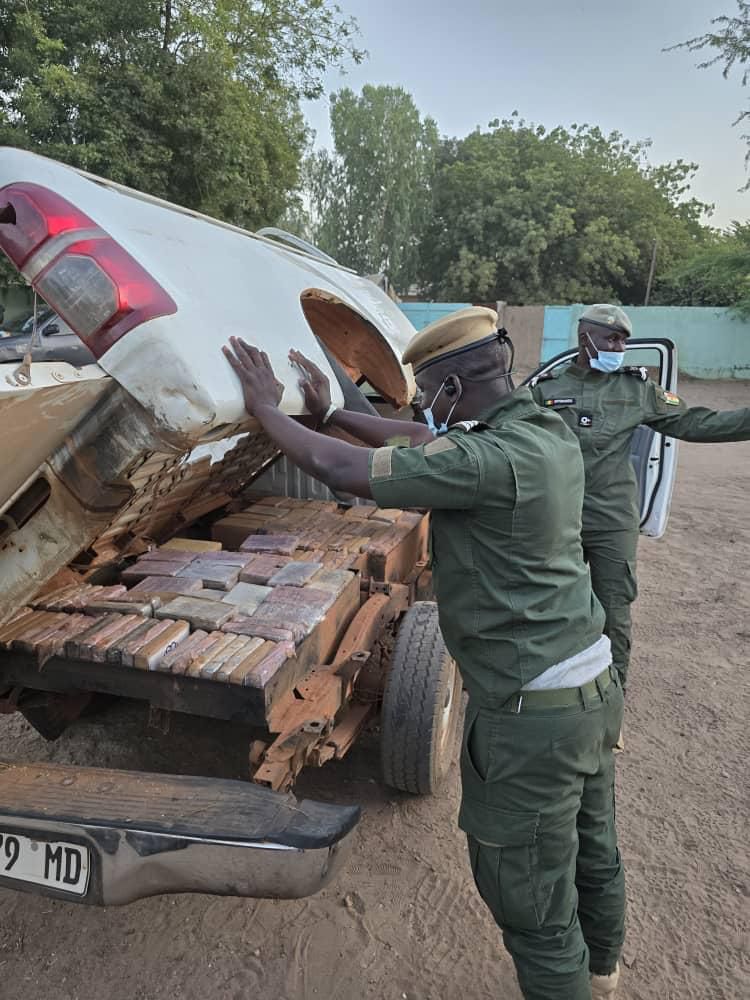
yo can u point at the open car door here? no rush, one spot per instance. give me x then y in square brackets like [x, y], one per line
[654, 456]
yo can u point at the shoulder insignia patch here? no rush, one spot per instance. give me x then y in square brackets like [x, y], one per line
[669, 397]
[639, 371]
[469, 425]
[442, 443]
[382, 463]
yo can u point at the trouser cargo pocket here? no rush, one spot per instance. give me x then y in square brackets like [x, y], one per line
[503, 844]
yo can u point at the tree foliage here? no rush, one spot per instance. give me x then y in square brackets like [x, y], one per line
[717, 274]
[370, 199]
[730, 40]
[526, 215]
[196, 101]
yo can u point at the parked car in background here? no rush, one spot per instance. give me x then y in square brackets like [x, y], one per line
[55, 339]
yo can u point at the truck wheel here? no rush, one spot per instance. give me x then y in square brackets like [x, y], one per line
[421, 705]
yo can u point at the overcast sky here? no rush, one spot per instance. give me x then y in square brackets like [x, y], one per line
[559, 62]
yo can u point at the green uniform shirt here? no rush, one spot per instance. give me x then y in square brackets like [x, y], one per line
[513, 592]
[603, 411]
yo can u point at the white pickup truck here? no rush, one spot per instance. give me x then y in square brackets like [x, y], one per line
[99, 460]
[147, 453]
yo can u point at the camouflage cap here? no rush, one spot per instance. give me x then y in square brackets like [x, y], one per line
[460, 331]
[610, 317]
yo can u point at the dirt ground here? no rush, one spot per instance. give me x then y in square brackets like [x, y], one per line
[414, 927]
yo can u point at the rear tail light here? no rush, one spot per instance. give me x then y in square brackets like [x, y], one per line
[39, 215]
[97, 287]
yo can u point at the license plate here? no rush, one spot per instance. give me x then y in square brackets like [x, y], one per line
[56, 864]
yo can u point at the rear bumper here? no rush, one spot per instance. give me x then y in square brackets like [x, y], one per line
[147, 834]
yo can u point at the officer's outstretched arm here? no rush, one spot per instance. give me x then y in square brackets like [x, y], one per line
[342, 466]
[366, 427]
[670, 415]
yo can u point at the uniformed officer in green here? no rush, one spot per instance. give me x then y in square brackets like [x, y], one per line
[504, 481]
[603, 403]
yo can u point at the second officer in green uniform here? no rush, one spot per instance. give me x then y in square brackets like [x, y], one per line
[504, 481]
[603, 403]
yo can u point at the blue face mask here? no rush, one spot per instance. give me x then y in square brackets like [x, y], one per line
[430, 419]
[606, 361]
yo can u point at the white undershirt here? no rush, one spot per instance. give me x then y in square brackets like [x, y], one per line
[576, 670]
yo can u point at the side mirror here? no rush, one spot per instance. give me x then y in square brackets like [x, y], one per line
[51, 330]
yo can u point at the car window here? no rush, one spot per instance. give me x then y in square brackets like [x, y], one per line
[26, 323]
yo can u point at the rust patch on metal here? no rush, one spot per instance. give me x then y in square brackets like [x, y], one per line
[358, 346]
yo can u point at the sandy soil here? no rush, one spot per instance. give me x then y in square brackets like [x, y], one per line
[414, 927]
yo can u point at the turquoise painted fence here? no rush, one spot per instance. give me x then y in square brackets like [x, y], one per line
[711, 343]
[420, 314]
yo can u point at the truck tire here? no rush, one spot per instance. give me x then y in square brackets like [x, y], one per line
[421, 705]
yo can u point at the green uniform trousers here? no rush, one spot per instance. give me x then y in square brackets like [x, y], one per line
[611, 556]
[538, 806]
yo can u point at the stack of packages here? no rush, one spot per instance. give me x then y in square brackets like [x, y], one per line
[193, 608]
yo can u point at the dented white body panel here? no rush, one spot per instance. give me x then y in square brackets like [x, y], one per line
[94, 457]
[225, 282]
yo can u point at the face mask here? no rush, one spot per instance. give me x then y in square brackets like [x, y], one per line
[429, 419]
[606, 361]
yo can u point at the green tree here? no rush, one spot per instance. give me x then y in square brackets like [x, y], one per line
[717, 274]
[370, 199]
[730, 40]
[196, 101]
[525, 215]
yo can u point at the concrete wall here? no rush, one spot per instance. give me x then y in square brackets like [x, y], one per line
[711, 343]
[421, 314]
[523, 323]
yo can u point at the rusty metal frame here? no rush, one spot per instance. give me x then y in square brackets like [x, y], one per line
[321, 718]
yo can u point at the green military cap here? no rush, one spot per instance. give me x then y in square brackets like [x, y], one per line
[610, 317]
[456, 333]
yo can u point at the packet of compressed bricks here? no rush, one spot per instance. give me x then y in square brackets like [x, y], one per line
[333, 580]
[220, 657]
[280, 544]
[212, 653]
[170, 557]
[218, 576]
[202, 614]
[294, 574]
[246, 597]
[164, 587]
[157, 563]
[250, 625]
[182, 652]
[261, 673]
[224, 558]
[37, 630]
[262, 568]
[190, 545]
[54, 644]
[243, 659]
[16, 625]
[98, 646]
[77, 647]
[297, 609]
[134, 639]
[148, 656]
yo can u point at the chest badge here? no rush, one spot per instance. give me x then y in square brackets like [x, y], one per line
[585, 419]
[563, 401]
